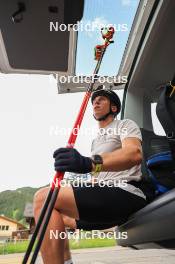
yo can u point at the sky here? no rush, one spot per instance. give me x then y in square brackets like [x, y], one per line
[32, 113]
[116, 12]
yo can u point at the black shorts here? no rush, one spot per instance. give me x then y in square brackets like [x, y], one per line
[101, 208]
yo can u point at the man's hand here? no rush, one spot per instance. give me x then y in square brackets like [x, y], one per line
[69, 159]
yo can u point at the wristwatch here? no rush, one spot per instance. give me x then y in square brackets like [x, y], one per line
[98, 162]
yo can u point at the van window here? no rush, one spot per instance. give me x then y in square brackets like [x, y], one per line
[157, 127]
[99, 14]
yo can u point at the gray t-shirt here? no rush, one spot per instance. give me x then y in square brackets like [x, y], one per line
[109, 139]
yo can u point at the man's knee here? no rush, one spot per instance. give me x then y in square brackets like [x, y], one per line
[69, 222]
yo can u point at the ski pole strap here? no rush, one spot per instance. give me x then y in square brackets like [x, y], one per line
[173, 90]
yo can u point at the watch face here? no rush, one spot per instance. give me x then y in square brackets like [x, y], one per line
[97, 159]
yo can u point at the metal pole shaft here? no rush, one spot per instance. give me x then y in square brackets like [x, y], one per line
[38, 225]
[46, 221]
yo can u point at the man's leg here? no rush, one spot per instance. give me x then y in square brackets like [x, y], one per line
[67, 253]
[68, 222]
[52, 250]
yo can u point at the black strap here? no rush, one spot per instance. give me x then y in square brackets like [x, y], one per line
[171, 140]
[166, 115]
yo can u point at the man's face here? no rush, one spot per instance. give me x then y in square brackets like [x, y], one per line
[101, 106]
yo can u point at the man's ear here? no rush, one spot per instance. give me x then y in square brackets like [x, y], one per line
[114, 108]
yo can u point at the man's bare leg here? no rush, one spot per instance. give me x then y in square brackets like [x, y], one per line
[52, 250]
[67, 253]
[68, 222]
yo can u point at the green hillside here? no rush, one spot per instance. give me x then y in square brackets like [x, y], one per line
[12, 203]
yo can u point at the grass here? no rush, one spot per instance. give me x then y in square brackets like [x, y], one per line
[21, 247]
[11, 247]
[92, 243]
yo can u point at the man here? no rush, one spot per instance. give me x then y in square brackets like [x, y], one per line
[116, 157]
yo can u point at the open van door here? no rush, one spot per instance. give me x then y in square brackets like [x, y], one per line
[31, 39]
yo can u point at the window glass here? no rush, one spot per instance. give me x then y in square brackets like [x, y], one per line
[157, 127]
[99, 13]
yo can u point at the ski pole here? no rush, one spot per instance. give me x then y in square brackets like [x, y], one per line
[49, 203]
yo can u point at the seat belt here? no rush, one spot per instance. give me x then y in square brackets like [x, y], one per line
[166, 115]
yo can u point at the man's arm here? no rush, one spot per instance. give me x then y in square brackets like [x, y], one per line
[124, 158]
[129, 155]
